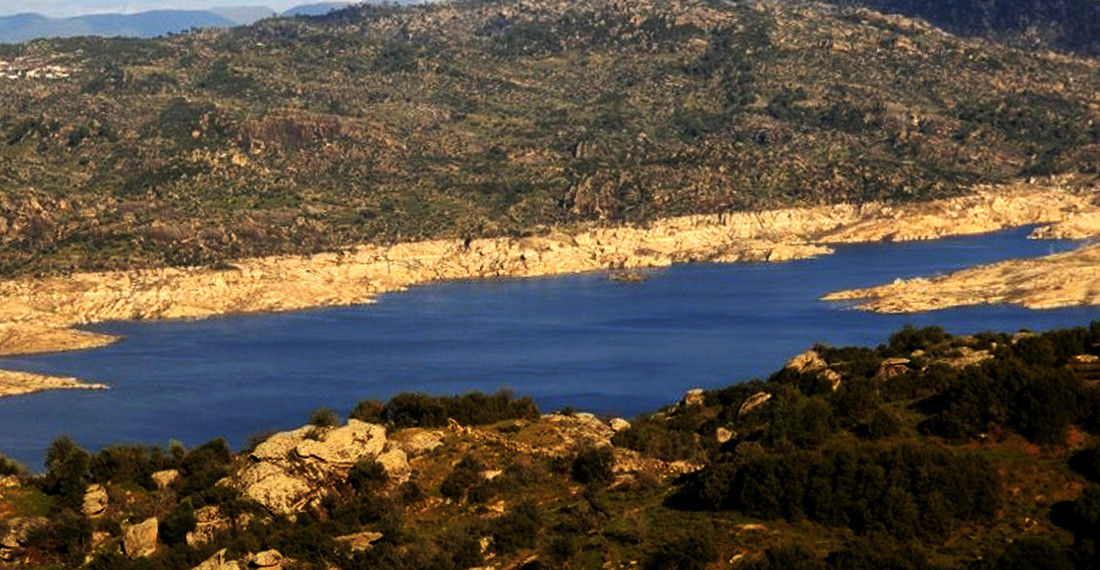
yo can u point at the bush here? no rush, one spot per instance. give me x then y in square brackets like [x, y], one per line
[367, 476]
[684, 551]
[593, 466]
[518, 528]
[466, 474]
[323, 418]
[66, 472]
[370, 411]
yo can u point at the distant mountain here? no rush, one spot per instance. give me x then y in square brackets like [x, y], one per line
[319, 9]
[244, 15]
[23, 27]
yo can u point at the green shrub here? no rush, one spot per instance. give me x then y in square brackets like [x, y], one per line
[593, 466]
[323, 418]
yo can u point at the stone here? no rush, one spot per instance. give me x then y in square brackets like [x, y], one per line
[279, 446]
[808, 361]
[19, 530]
[272, 487]
[396, 464]
[753, 402]
[141, 539]
[345, 445]
[208, 522]
[360, 540]
[218, 562]
[723, 435]
[162, 479]
[693, 397]
[832, 377]
[421, 443]
[266, 559]
[892, 367]
[618, 425]
[95, 501]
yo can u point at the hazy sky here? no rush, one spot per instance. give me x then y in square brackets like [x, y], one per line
[60, 8]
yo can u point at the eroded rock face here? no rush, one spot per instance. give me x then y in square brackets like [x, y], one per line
[294, 469]
[141, 539]
[95, 501]
[694, 397]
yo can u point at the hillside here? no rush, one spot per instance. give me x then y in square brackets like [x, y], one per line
[1065, 25]
[481, 119]
[928, 451]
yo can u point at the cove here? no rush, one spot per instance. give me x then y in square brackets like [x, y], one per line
[578, 340]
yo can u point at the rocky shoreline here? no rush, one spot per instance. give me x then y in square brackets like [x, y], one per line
[1061, 280]
[38, 315]
[19, 383]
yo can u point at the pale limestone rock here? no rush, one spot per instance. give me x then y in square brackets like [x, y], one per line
[95, 501]
[208, 522]
[808, 361]
[266, 559]
[218, 562]
[618, 424]
[832, 377]
[273, 487]
[361, 540]
[420, 443]
[280, 445]
[141, 539]
[345, 445]
[490, 474]
[753, 402]
[163, 479]
[396, 464]
[723, 435]
[693, 397]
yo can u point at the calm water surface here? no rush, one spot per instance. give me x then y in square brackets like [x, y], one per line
[579, 340]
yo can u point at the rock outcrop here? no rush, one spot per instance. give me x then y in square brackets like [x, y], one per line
[19, 530]
[95, 501]
[1059, 280]
[291, 470]
[140, 539]
[218, 561]
[164, 479]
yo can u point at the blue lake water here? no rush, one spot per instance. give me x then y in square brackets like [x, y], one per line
[580, 340]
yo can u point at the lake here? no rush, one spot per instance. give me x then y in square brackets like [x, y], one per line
[580, 340]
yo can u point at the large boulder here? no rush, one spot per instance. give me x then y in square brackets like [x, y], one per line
[808, 361]
[294, 469]
[420, 442]
[163, 479]
[141, 539]
[345, 445]
[95, 501]
[268, 559]
[276, 487]
[218, 562]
